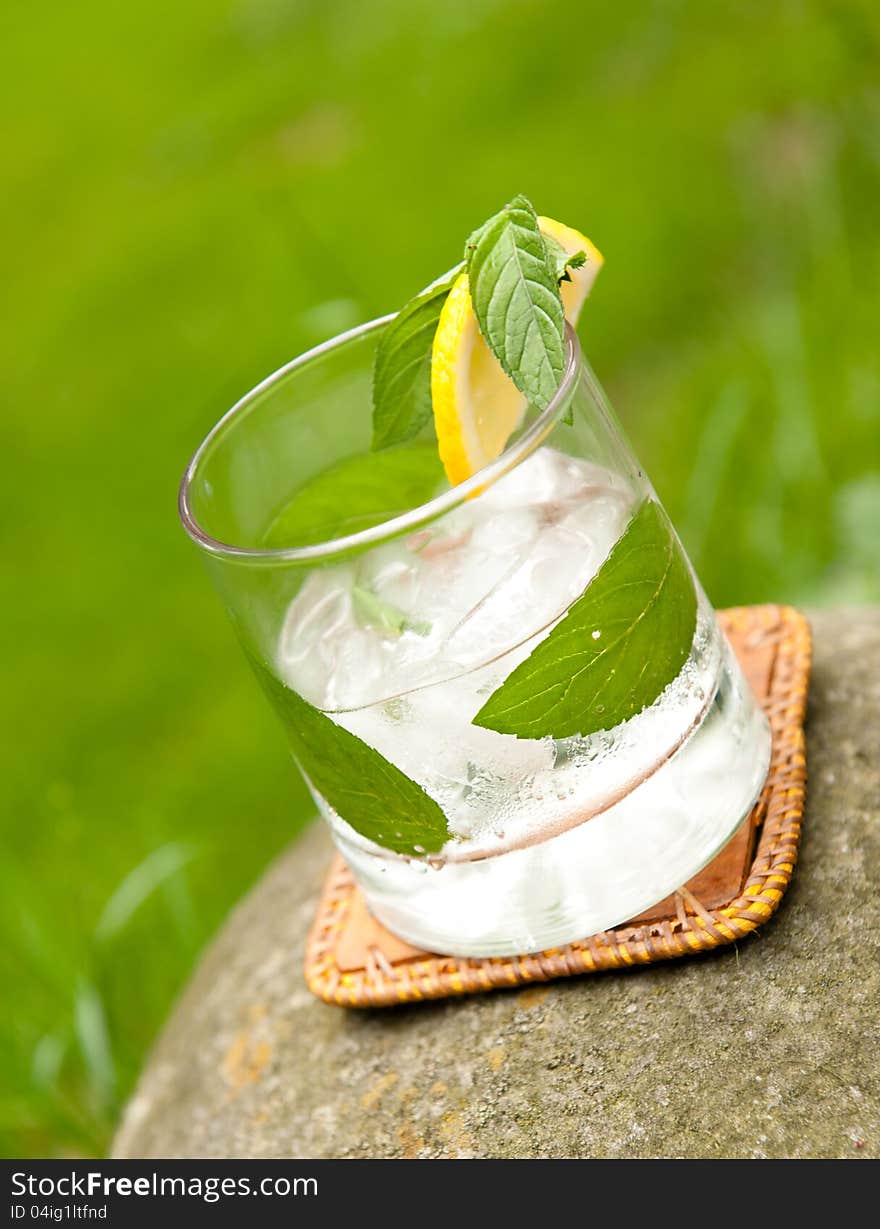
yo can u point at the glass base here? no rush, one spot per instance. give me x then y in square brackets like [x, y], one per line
[593, 876]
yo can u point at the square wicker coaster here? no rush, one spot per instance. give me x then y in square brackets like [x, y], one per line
[353, 961]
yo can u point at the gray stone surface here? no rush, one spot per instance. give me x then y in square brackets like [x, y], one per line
[770, 1049]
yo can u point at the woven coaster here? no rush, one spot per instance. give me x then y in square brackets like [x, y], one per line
[353, 961]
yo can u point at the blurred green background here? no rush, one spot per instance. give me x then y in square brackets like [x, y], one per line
[194, 192]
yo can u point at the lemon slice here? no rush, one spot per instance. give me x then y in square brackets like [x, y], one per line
[476, 406]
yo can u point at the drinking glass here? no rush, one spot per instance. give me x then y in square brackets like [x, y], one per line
[385, 612]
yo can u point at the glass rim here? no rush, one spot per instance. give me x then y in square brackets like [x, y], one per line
[404, 522]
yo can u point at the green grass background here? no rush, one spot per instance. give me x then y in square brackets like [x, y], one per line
[192, 193]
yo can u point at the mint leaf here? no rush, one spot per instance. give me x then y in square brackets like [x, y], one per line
[402, 370]
[515, 296]
[357, 493]
[621, 643]
[374, 611]
[561, 260]
[368, 791]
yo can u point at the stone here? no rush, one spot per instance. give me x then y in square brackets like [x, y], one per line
[766, 1049]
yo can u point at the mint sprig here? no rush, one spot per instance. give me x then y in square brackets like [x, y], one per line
[514, 274]
[402, 370]
[514, 290]
[371, 794]
[621, 643]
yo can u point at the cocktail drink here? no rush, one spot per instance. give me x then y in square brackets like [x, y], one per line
[503, 683]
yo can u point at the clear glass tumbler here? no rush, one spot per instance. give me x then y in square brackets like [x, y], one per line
[511, 699]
